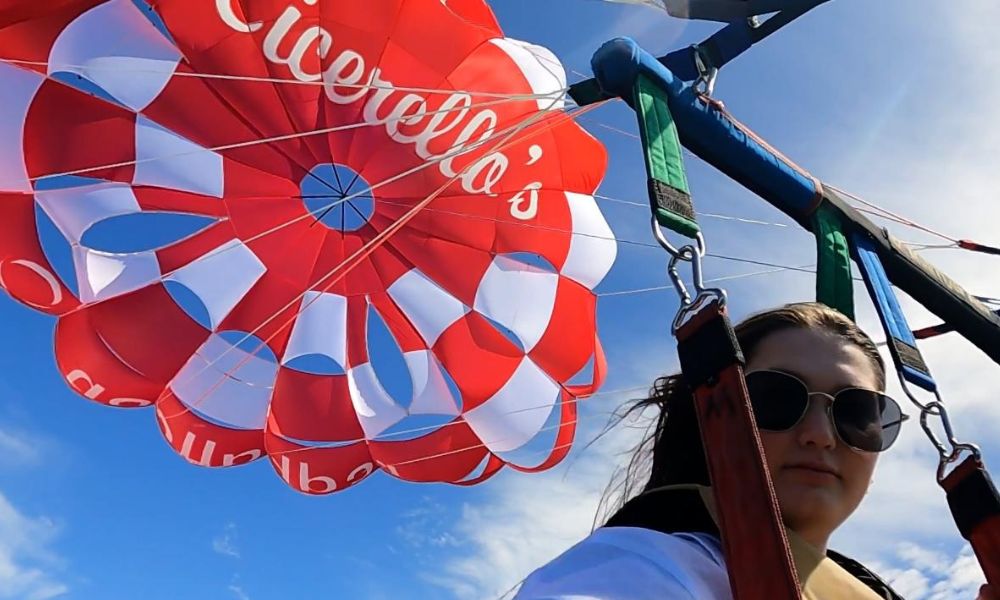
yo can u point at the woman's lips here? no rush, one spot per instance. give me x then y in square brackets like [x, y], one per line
[820, 469]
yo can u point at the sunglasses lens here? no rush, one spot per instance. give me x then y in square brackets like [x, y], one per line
[778, 400]
[867, 420]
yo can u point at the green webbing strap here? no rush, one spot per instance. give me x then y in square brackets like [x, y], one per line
[669, 196]
[834, 282]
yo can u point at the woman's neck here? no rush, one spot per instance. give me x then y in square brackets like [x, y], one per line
[816, 539]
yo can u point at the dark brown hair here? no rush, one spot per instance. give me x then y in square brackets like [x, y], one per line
[671, 450]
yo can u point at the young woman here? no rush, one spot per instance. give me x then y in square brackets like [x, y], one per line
[816, 383]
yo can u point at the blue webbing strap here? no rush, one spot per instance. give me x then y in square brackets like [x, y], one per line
[731, 41]
[725, 45]
[902, 344]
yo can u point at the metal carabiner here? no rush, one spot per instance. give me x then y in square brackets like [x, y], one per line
[675, 278]
[703, 295]
[707, 74]
[951, 452]
[691, 253]
[699, 279]
[936, 409]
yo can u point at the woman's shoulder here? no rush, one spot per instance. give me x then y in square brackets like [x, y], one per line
[615, 563]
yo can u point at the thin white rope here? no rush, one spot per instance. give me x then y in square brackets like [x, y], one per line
[699, 213]
[293, 81]
[775, 267]
[424, 165]
[873, 209]
[660, 288]
[507, 134]
[633, 135]
[527, 225]
[278, 138]
[453, 451]
[383, 436]
[388, 233]
[512, 129]
[888, 214]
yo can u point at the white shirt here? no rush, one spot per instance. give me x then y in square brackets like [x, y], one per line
[632, 563]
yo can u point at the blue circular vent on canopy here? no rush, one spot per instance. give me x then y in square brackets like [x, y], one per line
[337, 196]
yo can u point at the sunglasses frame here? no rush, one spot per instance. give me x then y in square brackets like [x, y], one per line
[830, 399]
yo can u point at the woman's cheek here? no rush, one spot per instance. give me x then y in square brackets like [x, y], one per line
[775, 448]
[858, 468]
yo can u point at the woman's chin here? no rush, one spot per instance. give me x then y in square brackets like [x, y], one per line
[808, 499]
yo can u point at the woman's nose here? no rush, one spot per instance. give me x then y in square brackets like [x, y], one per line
[816, 428]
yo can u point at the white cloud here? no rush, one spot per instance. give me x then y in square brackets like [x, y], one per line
[524, 526]
[931, 562]
[225, 542]
[965, 576]
[238, 592]
[909, 583]
[920, 573]
[27, 565]
[424, 527]
[17, 449]
[530, 519]
[651, 28]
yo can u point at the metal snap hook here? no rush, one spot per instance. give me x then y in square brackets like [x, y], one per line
[951, 451]
[707, 74]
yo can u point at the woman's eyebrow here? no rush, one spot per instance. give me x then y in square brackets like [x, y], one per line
[790, 372]
[805, 381]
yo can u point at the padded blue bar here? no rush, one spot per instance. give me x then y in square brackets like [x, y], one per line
[707, 132]
[889, 310]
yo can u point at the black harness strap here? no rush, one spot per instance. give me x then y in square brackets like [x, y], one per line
[667, 511]
[864, 575]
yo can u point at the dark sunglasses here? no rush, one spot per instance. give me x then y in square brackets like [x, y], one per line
[865, 420]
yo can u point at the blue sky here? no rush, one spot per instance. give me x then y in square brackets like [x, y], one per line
[93, 504]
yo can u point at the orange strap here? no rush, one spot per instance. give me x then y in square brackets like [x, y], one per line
[759, 561]
[975, 504]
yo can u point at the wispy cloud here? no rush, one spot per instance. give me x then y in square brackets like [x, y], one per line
[225, 542]
[238, 592]
[28, 567]
[920, 573]
[425, 526]
[18, 449]
[528, 520]
[649, 26]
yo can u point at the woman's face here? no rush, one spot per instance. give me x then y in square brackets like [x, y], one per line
[818, 479]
